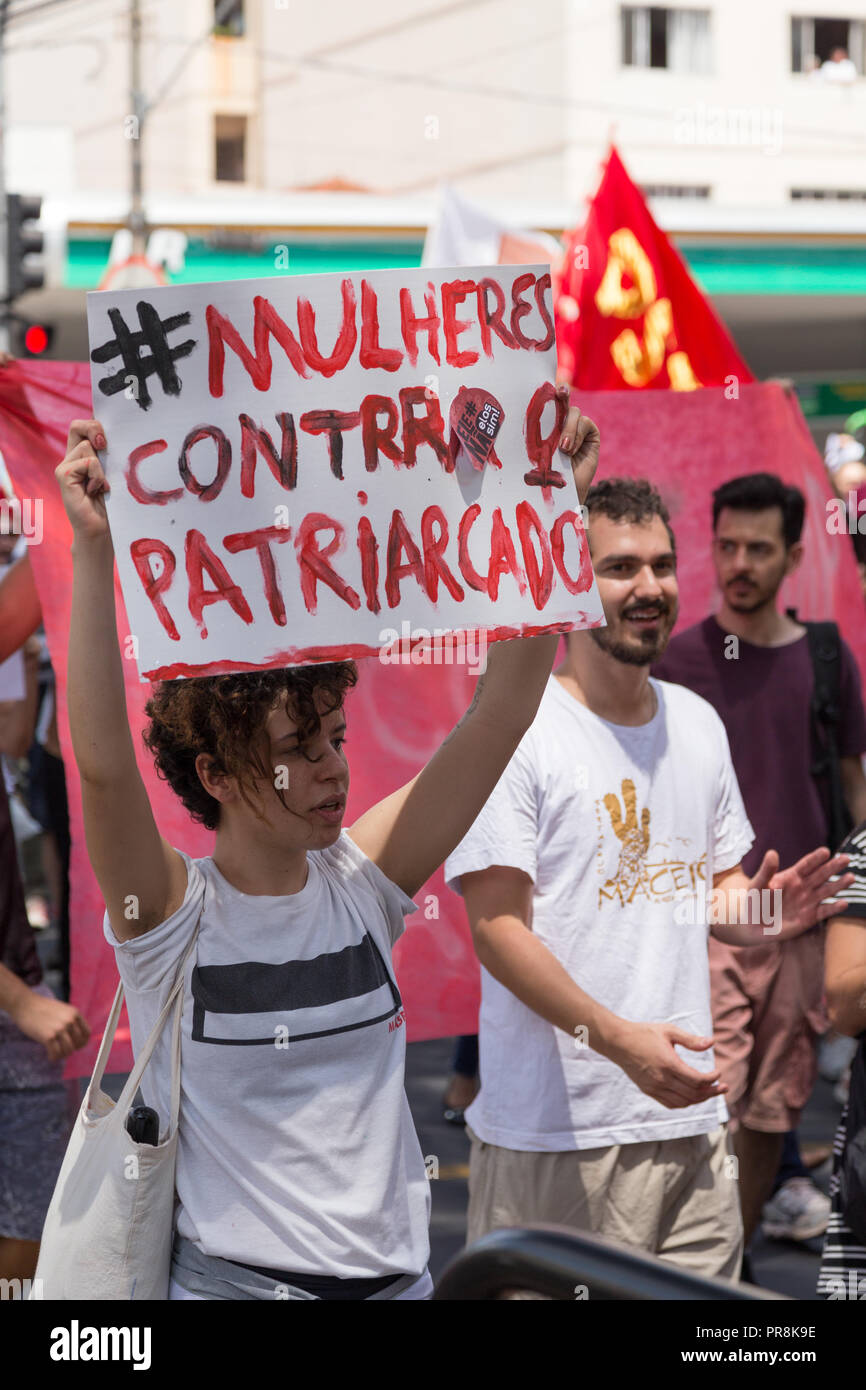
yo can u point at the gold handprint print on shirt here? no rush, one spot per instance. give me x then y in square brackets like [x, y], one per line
[633, 837]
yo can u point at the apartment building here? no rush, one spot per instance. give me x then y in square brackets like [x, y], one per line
[328, 128]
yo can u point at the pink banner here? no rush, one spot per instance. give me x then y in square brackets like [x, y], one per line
[687, 443]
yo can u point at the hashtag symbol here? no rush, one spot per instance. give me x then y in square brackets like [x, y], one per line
[128, 346]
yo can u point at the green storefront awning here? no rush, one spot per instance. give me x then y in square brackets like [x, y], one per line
[774, 269]
[719, 270]
[778, 269]
[87, 260]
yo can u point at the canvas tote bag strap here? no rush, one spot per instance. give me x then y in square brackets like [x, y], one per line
[144, 1056]
[175, 1052]
[141, 1061]
[107, 1040]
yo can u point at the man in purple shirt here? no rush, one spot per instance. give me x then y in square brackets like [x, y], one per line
[752, 663]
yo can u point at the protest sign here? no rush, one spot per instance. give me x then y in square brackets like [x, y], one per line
[303, 468]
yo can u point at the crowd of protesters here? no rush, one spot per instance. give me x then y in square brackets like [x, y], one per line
[637, 1077]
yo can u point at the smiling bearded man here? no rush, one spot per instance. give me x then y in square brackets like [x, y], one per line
[586, 881]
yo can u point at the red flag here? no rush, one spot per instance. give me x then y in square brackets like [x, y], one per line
[629, 314]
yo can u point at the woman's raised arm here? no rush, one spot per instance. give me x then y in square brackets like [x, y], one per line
[143, 880]
[20, 610]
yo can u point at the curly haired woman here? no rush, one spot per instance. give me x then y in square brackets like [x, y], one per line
[299, 1172]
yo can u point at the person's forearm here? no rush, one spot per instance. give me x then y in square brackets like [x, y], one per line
[526, 967]
[13, 992]
[511, 688]
[18, 717]
[854, 789]
[746, 934]
[754, 934]
[846, 1002]
[12, 729]
[30, 704]
[744, 916]
[17, 726]
[96, 698]
[20, 612]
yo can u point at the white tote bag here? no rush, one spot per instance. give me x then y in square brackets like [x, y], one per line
[109, 1228]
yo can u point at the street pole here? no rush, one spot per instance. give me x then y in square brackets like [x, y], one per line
[136, 211]
[4, 268]
[141, 109]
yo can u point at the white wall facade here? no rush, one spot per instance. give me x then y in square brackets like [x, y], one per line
[512, 102]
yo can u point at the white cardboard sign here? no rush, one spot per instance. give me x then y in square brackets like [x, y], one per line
[302, 468]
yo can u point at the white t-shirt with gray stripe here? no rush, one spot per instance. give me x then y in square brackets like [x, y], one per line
[297, 1148]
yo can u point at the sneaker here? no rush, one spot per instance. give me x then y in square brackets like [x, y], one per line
[798, 1211]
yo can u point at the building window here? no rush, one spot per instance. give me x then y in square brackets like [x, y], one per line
[675, 190]
[230, 154]
[678, 40]
[833, 48]
[833, 195]
[228, 18]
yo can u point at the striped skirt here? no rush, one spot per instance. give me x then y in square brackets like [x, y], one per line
[843, 1261]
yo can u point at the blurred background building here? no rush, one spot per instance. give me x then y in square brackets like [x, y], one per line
[281, 136]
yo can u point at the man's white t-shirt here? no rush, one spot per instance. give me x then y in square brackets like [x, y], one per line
[617, 827]
[297, 1149]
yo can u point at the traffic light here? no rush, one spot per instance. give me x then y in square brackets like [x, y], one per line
[23, 243]
[28, 338]
[35, 339]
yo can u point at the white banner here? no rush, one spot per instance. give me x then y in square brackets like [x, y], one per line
[302, 468]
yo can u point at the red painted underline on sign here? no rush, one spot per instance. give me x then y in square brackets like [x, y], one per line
[303, 656]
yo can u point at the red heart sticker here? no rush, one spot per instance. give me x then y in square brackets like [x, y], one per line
[476, 418]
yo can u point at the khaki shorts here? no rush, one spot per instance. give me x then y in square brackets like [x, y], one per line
[768, 1014]
[674, 1198]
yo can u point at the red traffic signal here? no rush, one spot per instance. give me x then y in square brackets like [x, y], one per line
[37, 339]
[28, 339]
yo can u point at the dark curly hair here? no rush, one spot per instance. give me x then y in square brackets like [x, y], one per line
[629, 499]
[224, 716]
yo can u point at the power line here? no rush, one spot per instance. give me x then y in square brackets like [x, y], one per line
[398, 26]
[80, 33]
[25, 11]
[526, 41]
[552, 36]
[221, 11]
[315, 63]
[530, 98]
[485, 167]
